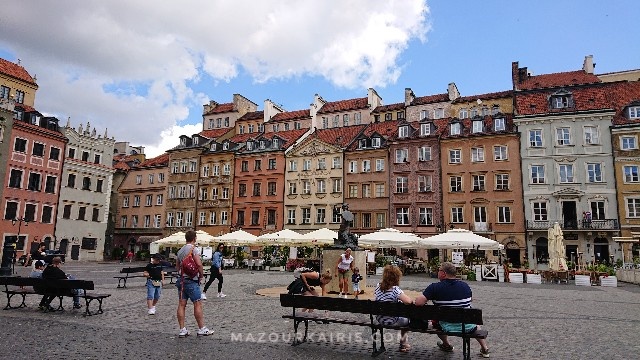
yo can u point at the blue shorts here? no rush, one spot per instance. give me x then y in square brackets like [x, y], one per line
[153, 293]
[190, 290]
[356, 287]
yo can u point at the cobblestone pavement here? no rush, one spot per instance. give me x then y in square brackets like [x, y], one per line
[524, 322]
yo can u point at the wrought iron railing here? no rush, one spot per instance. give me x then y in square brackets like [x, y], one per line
[607, 224]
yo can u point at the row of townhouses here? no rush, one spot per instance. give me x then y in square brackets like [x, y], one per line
[507, 165]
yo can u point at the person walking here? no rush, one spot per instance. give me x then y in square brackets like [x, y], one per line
[344, 264]
[155, 280]
[123, 254]
[451, 292]
[216, 272]
[188, 285]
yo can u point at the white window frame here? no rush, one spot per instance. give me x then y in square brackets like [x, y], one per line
[353, 167]
[595, 172]
[426, 216]
[500, 153]
[499, 124]
[591, 135]
[540, 210]
[366, 166]
[425, 129]
[402, 155]
[455, 156]
[502, 182]
[632, 207]
[631, 173]
[477, 126]
[402, 185]
[403, 131]
[504, 214]
[457, 214]
[569, 173]
[538, 138]
[425, 183]
[538, 179]
[628, 142]
[477, 154]
[402, 216]
[379, 164]
[424, 153]
[563, 136]
[455, 128]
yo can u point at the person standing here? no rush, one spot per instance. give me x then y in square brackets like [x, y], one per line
[216, 272]
[453, 293]
[345, 263]
[123, 254]
[155, 281]
[189, 287]
[355, 280]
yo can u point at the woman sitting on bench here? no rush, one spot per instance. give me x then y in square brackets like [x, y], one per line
[388, 290]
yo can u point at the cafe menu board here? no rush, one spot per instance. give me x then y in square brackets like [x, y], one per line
[457, 257]
[371, 256]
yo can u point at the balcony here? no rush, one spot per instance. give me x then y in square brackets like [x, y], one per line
[607, 224]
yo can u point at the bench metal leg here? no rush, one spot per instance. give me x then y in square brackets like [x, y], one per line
[296, 339]
[382, 349]
[9, 296]
[466, 348]
[88, 303]
[124, 281]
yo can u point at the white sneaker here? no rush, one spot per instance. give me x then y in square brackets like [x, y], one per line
[221, 295]
[183, 332]
[205, 332]
[203, 296]
[345, 295]
[152, 311]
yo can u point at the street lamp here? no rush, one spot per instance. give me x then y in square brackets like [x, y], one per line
[9, 249]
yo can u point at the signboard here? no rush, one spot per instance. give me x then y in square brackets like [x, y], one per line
[293, 252]
[371, 256]
[207, 253]
[457, 257]
[571, 236]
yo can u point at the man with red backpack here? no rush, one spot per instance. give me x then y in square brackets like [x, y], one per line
[188, 284]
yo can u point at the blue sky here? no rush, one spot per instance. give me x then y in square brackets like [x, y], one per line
[145, 73]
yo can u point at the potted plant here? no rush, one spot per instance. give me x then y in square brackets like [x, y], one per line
[381, 262]
[434, 265]
[471, 275]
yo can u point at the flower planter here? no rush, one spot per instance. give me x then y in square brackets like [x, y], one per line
[610, 281]
[534, 279]
[379, 270]
[583, 280]
[276, 268]
[516, 278]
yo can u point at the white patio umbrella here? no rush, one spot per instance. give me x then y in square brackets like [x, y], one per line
[459, 239]
[557, 252]
[388, 238]
[238, 237]
[318, 237]
[203, 238]
[173, 239]
[282, 237]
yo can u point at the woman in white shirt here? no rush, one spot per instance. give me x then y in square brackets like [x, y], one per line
[344, 265]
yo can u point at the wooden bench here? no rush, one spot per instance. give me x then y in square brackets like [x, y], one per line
[122, 279]
[420, 315]
[24, 286]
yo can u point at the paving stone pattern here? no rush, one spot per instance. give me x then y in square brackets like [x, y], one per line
[546, 321]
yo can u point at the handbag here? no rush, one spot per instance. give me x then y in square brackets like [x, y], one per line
[156, 283]
[188, 266]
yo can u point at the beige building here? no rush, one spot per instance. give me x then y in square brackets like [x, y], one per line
[218, 116]
[343, 113]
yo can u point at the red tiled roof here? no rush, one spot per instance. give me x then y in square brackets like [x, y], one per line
[252, 115]
[340, 136]
[390, 107]
[344, 105]
[386, 129]
[214, 133]
[26, 108]
[122, 166]
[289, 136]
[422, 100]
[156, 161]
[442, 127]
[558, 79]
[584, 98]
[291, 115]
[487, 96]
[221, 108]
[622, 94]
[240, 138]
[16, 71]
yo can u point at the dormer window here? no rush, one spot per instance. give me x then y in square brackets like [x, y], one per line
[276, 143]
[495, 109]
[183, 141]
[456, 129]
[474, 112]
[249, 145]
[362, 143]
[403, 131]
[499, 124]
[478, 126]
[375, 142]
[195, 140]
[463, 113]
[561, 100]
[425, 129]
[260, 128]
[388, 117]
[262, 144]
[634, 112]
[213, 147]
[225, 146]
[485, 111]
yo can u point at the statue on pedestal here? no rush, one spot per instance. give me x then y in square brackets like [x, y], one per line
[345, 238]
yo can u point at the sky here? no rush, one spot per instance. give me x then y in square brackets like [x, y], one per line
[144, 69]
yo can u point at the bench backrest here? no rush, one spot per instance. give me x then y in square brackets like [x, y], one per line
[426, 312]
[46, 283]
[129, 270]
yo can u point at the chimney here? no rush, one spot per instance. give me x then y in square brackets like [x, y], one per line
[588, 65]
[453, 92]
[409, 96]
[514, 75]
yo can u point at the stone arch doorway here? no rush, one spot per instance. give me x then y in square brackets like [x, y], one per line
[513, 253]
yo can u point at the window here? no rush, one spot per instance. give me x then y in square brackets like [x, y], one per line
[499, 124]
[240, 218]
[20, 145]
[366, 190]
[96, 214]
[213, 218]
[563, 136]
[134, 221]
[306, 165]
[193, 166]
[594, 172]
[15, 179]
[293, 189]
[566, 173]
[426, 216]
[85, 156]
[345, 119]
[99, 184]
[402, 216]
[72, 153]
[353, 191]
[502, 182]
[256, 189]
[322, 164]
[156, 220]
[320, 215]
[381, 220]
[561, 102]
[424, 153]
[631, 174]
[402, 155]
[175, 168]
[322, 186]
[182, 192]
[160, 177]
[123, 221]
[170, 219]
[388, 117]
[251, 128]
[306, 216]
[159, 199]
[293, 165]
[500, 153]
[366, 166]
[477, 154]
[125, 201]
[628, 142]
[96, 159]
[380, 190]
[455, 156]
[402, 184]
[504, 214]
[19, 97]
[34, 182]
[38, 149]
[149, 200]
[336, 120]
[480, 218]
[337, 185]
[205, 172]
[291, 216]
[337, 163]
[535, 138]
[244, 167]
[634, 112]
[202, 218]
[271, 217]
[633, 207]
[457, 215]
[47, 214]
[257, 164]
[50, 184]
[306, 187]
[424, 183]
[455, 183]
[4, 92]
[11, 211]
[86, 183]
[188, 218]
[477, 126]
[540, 211]
[66, 213]
[226, 169]
[463, 113]
[597, 210]
[455, 129]
[400, 115]
[30, 212]
[136, 200]
[250, 144]
[478, 183]
[271, 188]
[138, 179]
[379, 164]
[591, 135]
[172, 192]
[439, 113]
[424, 114]
[353, 167]
[474, 112]
[54, 153]
[272, 164]
[425, 129]
[537, 174]
[403, 131]
[83, 210]
[366, 220]
[358, 118]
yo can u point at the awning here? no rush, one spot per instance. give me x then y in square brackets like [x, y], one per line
[147, 239]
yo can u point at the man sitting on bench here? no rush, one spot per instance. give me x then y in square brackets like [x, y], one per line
[54, 272]
[453, 293]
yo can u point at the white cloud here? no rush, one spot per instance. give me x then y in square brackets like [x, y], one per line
[128, 65]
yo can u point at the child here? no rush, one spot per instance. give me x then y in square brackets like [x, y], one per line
[155, 279]
[130, 256]
[355, 279]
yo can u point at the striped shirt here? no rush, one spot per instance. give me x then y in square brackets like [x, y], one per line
[392, 295]
[451, 293]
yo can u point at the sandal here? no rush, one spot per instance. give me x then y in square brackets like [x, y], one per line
[445, 348]
[404, 347]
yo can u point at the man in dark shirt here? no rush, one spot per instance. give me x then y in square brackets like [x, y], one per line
[36, 254]
[54, 272]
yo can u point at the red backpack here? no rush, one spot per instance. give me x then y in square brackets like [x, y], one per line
[188, 266]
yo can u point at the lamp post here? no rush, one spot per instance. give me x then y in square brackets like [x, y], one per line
[9, 249]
